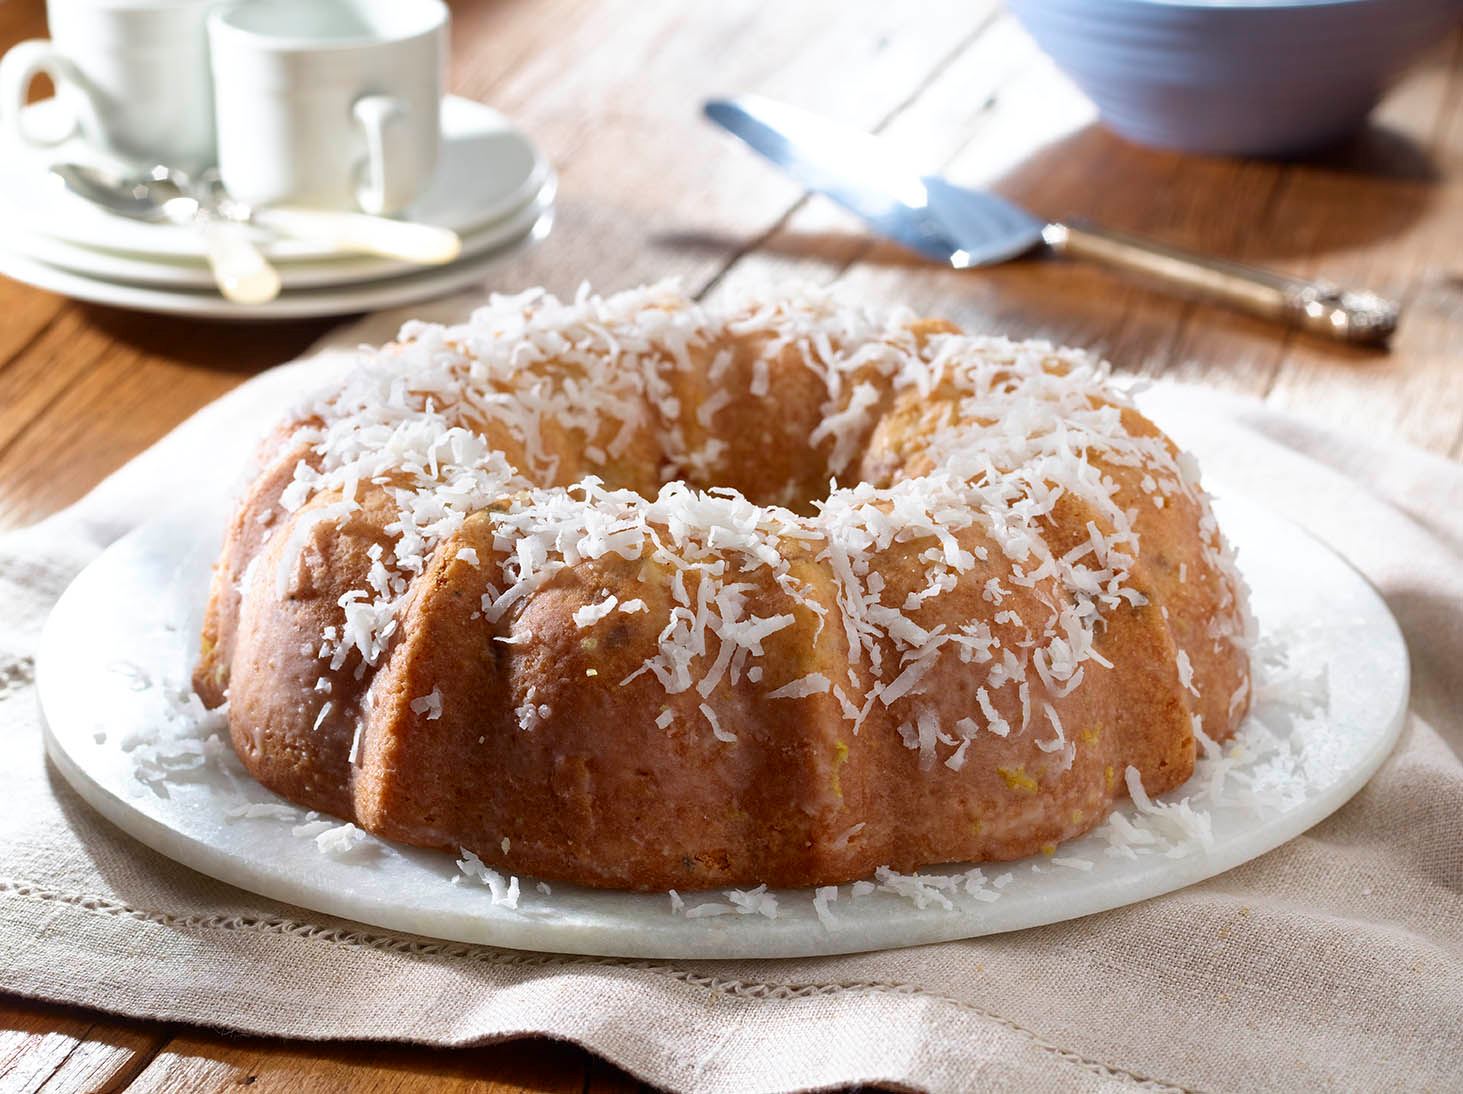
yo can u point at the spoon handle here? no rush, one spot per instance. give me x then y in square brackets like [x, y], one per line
[424, 244]
[243, 274]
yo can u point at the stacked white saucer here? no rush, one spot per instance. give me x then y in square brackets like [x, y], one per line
[492, 187]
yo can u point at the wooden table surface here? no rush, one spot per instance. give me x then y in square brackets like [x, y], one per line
[611, 88]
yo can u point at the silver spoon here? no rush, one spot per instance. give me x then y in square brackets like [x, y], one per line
[166, 196]
[353, 233]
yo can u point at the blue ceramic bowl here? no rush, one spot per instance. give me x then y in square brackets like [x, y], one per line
[1235, 77]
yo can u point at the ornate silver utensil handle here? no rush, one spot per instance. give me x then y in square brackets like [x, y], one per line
[1350, 315]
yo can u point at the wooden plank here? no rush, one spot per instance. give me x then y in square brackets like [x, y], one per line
[25, 315]
[642, 168]
[64, 1049]
[22, 19]
[209, 1062]
[604, 1078]
[24, 312]
[1387, 211]
[99, 385]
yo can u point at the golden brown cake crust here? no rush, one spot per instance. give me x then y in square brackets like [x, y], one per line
[956, 661]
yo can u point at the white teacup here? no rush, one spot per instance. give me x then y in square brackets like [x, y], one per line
[332, 103]
[133, 73]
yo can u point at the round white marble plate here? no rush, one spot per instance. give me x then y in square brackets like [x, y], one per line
[116, 655]
[488, 168]
[166, 272]
[529, 226]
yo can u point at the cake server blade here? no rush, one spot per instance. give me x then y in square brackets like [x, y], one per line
[965, 228]
[946, 223]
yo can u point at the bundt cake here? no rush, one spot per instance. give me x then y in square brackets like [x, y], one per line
[634, 593]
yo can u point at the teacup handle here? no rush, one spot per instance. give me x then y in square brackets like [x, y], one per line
[19, 67]
[388, 145]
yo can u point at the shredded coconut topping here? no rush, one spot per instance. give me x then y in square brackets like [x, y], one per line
[430, 705]
[503, 891]
[523, 420]
[591, 614]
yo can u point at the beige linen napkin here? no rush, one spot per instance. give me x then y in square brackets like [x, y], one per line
[1333, 962]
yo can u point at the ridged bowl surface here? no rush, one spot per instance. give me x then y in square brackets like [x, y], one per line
[1238, 77]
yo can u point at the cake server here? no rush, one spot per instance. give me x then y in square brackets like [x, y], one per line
[966, 228]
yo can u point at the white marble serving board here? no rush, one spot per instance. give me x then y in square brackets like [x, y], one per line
[118, 649]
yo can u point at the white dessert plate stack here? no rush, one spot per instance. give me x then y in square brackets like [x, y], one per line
[492, 187]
